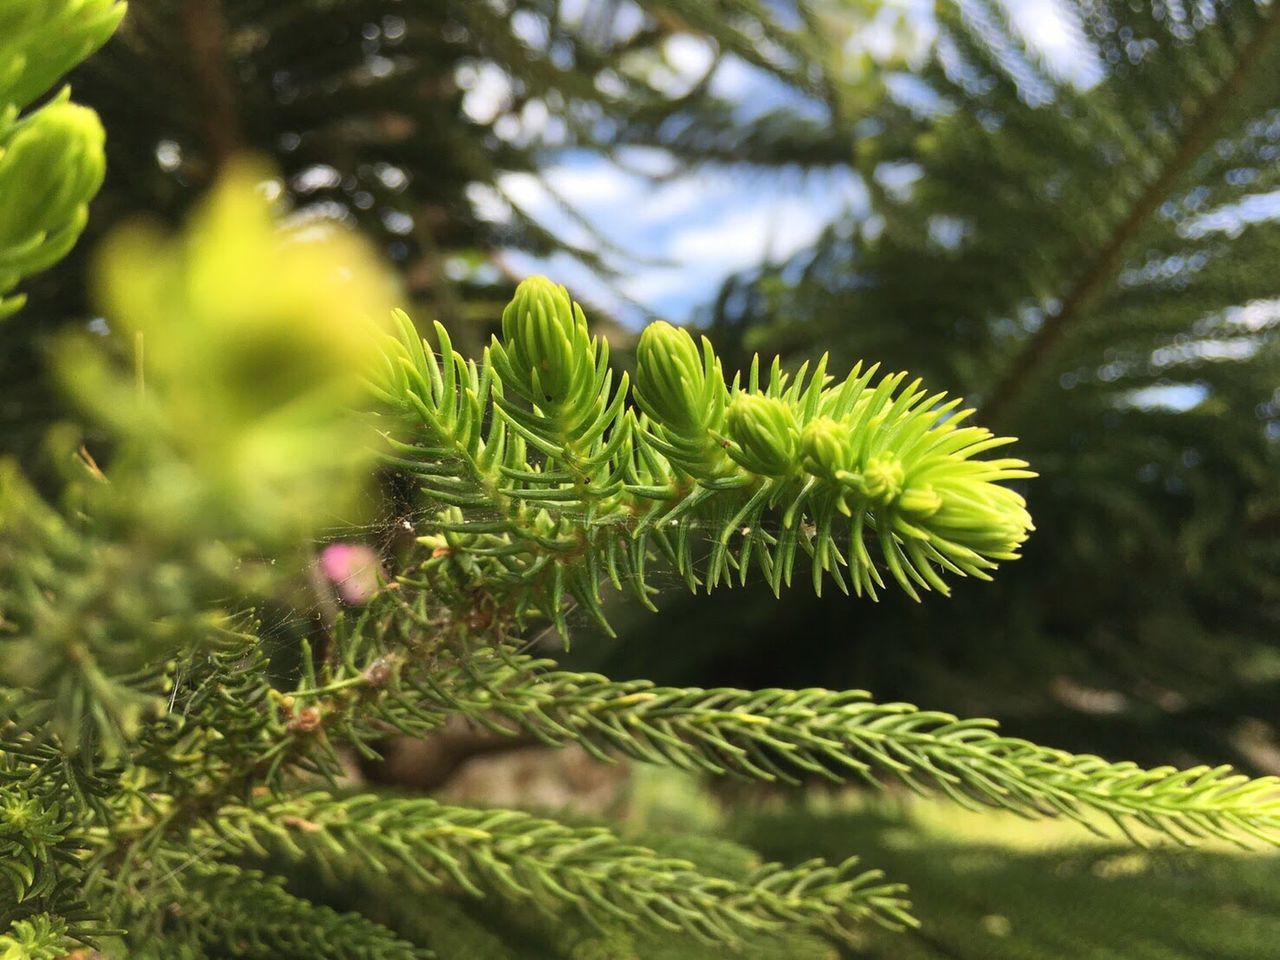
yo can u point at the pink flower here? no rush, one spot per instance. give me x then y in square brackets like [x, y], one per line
[353, 569]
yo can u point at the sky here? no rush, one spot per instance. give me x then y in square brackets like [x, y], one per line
[682, 237]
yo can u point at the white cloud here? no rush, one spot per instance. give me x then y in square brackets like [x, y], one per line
[734, 78]
[597, 193]
[1232, 218]
[601, 185]
[1254, 315]
[1177, 397]
[678, 198]
[583, 284]
[531, 28]
[653, 161]
[1204, 350]
[572, 11]
[686, 235]
[688, 57]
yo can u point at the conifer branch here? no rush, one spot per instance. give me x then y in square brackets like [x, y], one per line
[553, 485]
[842, 736]
[78, 661]
[41, 869]
[142, 731]
[554, 866]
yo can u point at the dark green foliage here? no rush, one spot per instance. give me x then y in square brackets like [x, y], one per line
[985, 899]
[226, 911]
[458, 927]
[44, 797]
[427, 845]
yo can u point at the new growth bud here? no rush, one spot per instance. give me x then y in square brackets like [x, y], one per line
[671, 380]
[764, 433]
[826, 447]
[920, 503]
[545, 339]
[883, 478]
[51, 164]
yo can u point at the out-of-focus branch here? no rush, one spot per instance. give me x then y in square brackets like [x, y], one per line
[206, 31]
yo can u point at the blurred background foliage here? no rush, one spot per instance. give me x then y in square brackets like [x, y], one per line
[1084, 246]
[1080, 237]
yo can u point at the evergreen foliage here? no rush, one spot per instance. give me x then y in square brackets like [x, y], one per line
[171, 780]
[783, 735]
[222, 774]
[242, 913]
[426, 844]
[845, 456]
